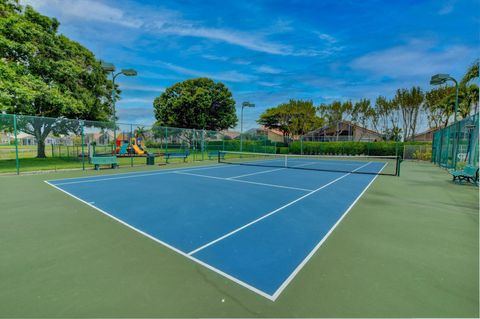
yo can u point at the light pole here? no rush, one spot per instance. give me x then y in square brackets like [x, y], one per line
[109, 67]
[244, 104]
[439, 79]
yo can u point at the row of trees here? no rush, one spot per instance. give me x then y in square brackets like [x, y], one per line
[394, 118]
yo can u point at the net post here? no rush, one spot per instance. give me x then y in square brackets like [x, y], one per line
[83, 142]
[17, 161]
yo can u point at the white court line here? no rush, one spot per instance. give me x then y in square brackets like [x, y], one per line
[271, 213]
[256, 173]
[89, 179]
[236, 280]
[243, 181]
[314, 250]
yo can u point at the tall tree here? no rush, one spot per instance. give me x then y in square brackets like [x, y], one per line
[44, 73]
[439, 105]
[197, 103]
[472, 73]
[362, 114]
[336, 112]
[382, 111]
[278, 118]
[409, 102]
[294, 118]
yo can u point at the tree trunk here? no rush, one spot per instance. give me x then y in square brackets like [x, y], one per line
[41, 148]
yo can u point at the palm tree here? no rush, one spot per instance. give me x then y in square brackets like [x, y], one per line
[472, 73]
[140, 131]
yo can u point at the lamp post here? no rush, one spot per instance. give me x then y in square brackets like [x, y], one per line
[109, 67]
[244, 104]
[439, 79]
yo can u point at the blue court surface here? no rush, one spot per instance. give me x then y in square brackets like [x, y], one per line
[257, 226]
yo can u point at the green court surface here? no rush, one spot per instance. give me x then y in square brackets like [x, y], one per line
[408, 248]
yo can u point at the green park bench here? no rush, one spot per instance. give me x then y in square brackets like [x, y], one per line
[468, 174]
[183, 155]
[101, 160]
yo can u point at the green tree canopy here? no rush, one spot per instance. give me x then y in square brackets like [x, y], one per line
[44, 73]
[197, 103]
[294, 118]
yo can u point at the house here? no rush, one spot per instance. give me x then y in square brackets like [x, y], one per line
[101, 138]
[28, 139]
[6, 138]
[271, 134]
[426, 136]
[230, 135]
[343, 131]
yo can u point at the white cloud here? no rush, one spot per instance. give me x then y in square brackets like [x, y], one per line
[415, 59]
[214, 57]
[87, 10]
[146, 88]
[168, 22]
[325, 37]
[252, 41]
[141, 115]
[136, 100]
[447, 7]
[229, 76]
[268, 84]
[268, 69]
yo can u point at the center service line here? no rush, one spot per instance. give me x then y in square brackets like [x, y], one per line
[272, 212]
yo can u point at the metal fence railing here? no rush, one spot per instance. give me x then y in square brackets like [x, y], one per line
[457, 144]
[30, 143]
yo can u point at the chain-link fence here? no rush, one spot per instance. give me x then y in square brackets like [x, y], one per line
[417, 152]
[456, 145]
[29, 143]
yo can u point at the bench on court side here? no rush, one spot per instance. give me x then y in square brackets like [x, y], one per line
[183, 155]
[468, 174]
[215, 155]
[103, 160]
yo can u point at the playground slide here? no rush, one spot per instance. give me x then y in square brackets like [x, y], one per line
[138, 150]
[123, 149]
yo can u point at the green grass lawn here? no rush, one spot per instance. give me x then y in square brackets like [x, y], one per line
[32, 164]
[408, 248]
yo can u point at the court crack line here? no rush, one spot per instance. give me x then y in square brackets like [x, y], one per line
[272, 212]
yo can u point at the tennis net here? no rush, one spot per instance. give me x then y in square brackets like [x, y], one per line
[359, 164]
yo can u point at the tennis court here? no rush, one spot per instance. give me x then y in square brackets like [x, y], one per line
[257, 223]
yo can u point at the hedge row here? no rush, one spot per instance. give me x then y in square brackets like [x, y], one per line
[350, 148]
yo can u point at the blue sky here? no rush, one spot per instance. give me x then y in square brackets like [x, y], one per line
[267, 52]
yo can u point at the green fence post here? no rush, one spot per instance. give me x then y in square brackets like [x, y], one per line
[193, 144]
[17, 161]
[83, 147]
[166, 144]
[301, 145]
[131, 146]
[203, 144]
